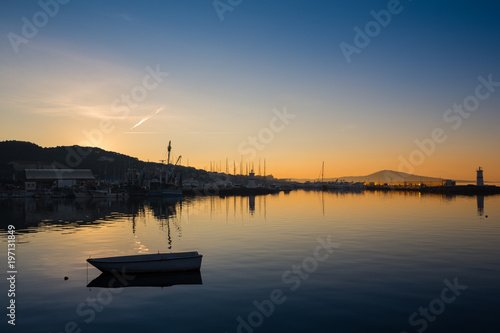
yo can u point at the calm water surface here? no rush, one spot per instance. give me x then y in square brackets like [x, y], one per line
[304, 261]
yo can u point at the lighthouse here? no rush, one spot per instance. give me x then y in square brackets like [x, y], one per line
[251, 179]
[479, 181]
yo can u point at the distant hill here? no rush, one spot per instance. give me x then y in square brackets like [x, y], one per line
[388, 176]
[383, 176]
[15, 156]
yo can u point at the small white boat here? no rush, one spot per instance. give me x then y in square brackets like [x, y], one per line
[150, 263]
[99, 193]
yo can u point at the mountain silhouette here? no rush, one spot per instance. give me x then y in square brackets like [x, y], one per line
[388, 176]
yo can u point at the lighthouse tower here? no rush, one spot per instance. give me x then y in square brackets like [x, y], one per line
[251, 179]
[480, 181]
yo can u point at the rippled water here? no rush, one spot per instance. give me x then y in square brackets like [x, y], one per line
[304, 261]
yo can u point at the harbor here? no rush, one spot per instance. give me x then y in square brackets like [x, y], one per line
[172, 180]
[250, 166]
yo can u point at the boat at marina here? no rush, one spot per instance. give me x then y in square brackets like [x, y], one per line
[157, 189]
[149, 263]
[171, 193]
[96, 192]
[167, 184]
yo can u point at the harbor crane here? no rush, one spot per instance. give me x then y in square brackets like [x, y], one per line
[169, 149]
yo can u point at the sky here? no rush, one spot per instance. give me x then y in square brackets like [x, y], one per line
[362, 86]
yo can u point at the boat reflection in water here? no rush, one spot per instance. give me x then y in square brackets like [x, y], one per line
[120, 280]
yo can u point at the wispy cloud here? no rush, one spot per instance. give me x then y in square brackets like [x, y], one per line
[147, 117]
[61, 108]
[145, 132]
[210, 132]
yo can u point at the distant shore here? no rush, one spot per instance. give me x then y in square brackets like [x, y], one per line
[240, 191]
[458, 189]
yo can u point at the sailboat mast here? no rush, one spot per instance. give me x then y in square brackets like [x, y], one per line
[264, 169]
[322, 171]
[169, 149]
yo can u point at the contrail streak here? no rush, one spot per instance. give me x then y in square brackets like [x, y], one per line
[147, 117]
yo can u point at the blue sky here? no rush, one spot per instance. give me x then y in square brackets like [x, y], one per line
[226, 77]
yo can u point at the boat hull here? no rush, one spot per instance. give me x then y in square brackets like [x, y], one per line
[166, 193]
[149, 263]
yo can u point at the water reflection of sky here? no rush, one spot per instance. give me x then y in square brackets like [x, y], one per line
[395, 251]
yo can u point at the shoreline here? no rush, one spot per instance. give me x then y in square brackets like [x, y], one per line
[452, 190]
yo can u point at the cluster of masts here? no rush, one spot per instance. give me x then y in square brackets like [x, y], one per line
[245, 168]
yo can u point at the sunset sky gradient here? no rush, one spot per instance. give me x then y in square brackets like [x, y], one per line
[208, 85]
